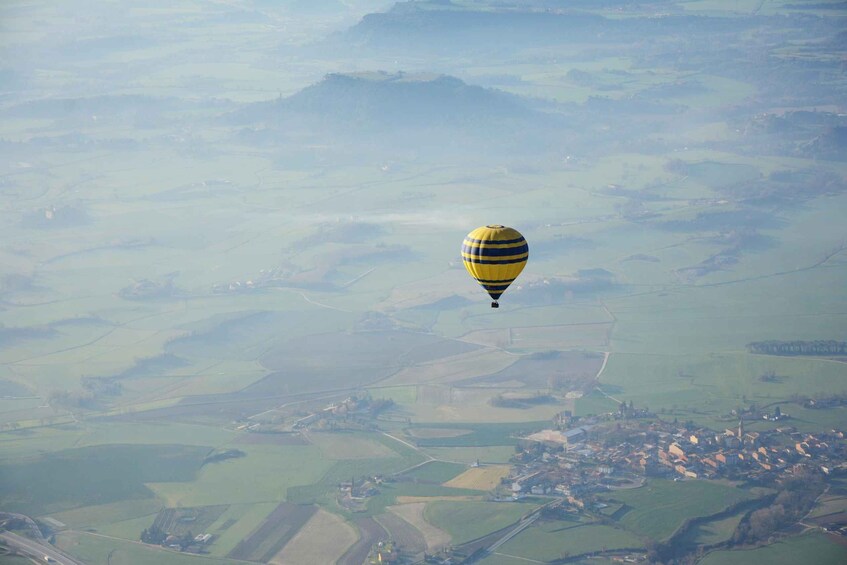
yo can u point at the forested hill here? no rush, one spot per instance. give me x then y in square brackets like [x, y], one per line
[379, 100]
[406, 100]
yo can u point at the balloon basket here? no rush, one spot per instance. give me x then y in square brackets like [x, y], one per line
[495, 304]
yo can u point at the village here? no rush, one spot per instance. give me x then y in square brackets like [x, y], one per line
[577, 457]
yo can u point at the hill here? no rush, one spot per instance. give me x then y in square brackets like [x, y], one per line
[399, 110]
[379, 99]
[445, 26]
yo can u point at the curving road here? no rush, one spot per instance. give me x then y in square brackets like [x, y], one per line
[36, 550]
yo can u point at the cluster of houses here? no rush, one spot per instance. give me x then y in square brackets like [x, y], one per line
[348, 406]
[749, 455]
[353, 495]
[607, 453]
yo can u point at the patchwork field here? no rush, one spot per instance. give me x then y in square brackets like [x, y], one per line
[323, 539]
[266, 541]
[402, 533]
[413, 513]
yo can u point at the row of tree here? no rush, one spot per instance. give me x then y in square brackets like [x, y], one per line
[798, 347]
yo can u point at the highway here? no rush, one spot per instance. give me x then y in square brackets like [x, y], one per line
[36, 550]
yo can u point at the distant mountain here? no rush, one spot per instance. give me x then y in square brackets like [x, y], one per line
[432, 114]
[379, 100]
[445, 26]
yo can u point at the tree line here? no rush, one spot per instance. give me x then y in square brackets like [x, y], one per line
[798, 347]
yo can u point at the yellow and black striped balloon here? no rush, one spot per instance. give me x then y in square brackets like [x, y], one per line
[494, 256]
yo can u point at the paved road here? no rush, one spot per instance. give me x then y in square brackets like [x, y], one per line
[36, 550]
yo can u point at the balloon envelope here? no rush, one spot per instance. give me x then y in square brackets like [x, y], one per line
[494, 256]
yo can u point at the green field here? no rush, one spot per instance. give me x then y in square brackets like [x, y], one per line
[551, 540]
[264, 475]
[436, 472]
[468, 455]
[482, 435]
[94, 475]
[466, 521]
[660, 507]
[237, 523]
[106, 514]
[97, 550]
[715, 531]
[810, 548]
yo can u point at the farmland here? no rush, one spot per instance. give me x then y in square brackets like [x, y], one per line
[677, 501]
[312, 541]
[93, 516]
[480, 478]
[97, 550]
[814, 547]
[272, 535]
[413, 513]
[274, 469]
[551, 540]
[231, 281]
[466, 521]
[79, 477]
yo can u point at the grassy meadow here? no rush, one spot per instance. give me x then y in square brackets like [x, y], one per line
[657, 509]
[548, 541]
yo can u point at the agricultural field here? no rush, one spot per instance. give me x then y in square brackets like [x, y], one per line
[96, 550]
[338, 446]
[273, 470]
[435, 472]
[402, 533]
[551, 540]
[273, 534]
[480, 478]
[481, 435]
[811, 547]
[413, 513]
[110, 513]
[466, 521]
[715, 531]
[657, 509]
[467, 455]
[85, 476]
[323, 539]
[236, 524]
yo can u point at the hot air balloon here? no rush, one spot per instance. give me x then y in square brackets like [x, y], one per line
[494, 256]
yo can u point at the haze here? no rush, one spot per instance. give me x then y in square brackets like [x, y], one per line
[235, 325]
